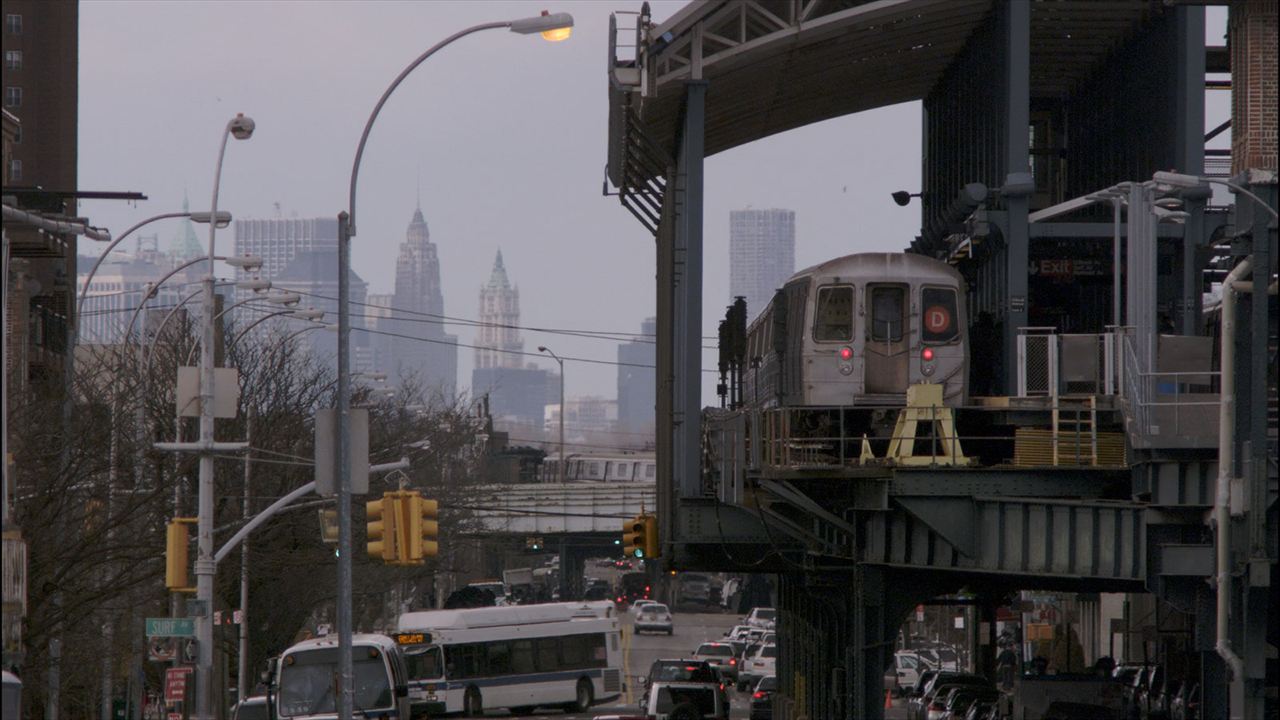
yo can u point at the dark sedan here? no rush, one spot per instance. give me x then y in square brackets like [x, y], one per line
[762, 698]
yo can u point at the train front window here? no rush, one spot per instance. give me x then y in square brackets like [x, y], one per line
[833, 319]
[938, 322]
[887, 313]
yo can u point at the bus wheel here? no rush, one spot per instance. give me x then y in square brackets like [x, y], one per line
[584, 697]
[472, 704]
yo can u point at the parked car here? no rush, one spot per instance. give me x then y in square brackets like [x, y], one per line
[983, 710]
[1160, 699]
[681, 670]
[673, 700]
[906, 670]
[1062, 710]
[1186, 705]
[963, 697]
[918, 707]
[761, 664]
[654, 617]
[720, 655]
[762, 698]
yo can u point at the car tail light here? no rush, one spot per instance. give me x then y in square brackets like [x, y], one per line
[757, 695]
[733, 661]
[927, 354]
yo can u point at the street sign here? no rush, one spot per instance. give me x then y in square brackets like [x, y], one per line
[197, 608]
[175, 684]
[189, 647]
[237, 617]
[171, 627]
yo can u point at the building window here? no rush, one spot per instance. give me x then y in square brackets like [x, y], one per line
[15, 170]
[13, 59]
[13, 97]
[14, 23]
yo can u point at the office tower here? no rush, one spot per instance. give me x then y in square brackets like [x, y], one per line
[422, 354]
[762, 254]
[637, 392]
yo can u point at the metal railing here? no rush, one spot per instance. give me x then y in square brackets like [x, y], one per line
[1050, 364]
[1188, 393]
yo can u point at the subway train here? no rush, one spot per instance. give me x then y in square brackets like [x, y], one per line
[856, 331]
[603, 467]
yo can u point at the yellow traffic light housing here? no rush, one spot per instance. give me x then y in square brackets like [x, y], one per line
[420, 529]
[176, 557]
[382, 528]
[652, 547]
[633, 537]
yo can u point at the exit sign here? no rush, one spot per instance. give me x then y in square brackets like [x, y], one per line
[171, 627]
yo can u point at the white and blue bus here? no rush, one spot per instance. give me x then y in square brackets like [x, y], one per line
[521, 657]
[307, 680]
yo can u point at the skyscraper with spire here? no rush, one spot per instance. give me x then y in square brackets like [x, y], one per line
[499, 342]
[422, 351]
[517, 392]
[185, 245]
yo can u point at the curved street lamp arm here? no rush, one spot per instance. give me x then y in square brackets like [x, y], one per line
[256, 323]
[142, 303]
[364, 136]
[146, 370]
[89, 279]
[1245, 191]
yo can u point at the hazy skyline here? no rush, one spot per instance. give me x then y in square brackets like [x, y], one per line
[502, 137]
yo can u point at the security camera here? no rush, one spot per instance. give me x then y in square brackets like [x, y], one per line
[242, 126]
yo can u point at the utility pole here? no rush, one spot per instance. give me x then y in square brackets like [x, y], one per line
[242, 675]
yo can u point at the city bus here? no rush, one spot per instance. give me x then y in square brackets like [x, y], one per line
[307, 679]
[521, 657]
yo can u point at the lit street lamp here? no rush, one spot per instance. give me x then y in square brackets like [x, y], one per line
[545, 349]
[553, 27]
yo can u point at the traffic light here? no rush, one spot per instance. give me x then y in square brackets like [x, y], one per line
[382, 528]
[533, 544]
[175, 555]
[419, 528]
[652, 548]
[328, 526]
[633, 537]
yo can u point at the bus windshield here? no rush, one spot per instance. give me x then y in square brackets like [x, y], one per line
[309, 682]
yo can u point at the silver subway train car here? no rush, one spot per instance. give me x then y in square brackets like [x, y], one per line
[856, 331]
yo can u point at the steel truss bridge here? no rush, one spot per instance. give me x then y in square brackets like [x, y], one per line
[1112, 92]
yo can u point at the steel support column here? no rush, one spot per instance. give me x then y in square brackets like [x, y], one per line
[1189, 155]
[1018, 184]
[687, 288]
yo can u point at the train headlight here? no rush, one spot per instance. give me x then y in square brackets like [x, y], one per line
[927, 370]
[846, 369]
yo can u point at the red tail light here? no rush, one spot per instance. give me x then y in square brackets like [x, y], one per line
[927, 354]
[757, 694]
[846, 353]
[733, 661]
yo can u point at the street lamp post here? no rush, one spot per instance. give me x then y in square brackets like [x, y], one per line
[241, 128]
[553, 27]
[545, 349]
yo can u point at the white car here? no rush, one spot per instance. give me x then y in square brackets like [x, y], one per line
[638, 605]
[762, 617]
[654, 617]
[762, 663]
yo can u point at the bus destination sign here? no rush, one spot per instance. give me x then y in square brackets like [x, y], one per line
[412, 638]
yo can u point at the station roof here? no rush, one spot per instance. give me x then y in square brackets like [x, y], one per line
[775, 65]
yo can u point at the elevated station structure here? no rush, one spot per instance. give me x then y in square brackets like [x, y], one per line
[1098, 395]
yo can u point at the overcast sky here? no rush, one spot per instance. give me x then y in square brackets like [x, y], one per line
[504, 134]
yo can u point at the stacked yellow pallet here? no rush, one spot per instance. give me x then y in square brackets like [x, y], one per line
[1034, 447]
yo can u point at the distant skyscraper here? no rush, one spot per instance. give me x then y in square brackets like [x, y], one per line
[314, 275]
[278, 241]
[499, 343]
[637, 392]
[185, 245]
[425, 352]
[762, 254]
[517, 393]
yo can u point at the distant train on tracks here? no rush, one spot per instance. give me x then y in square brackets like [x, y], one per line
[636, 466]
[857, 330]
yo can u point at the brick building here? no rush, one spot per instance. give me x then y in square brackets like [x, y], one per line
[1252, 31]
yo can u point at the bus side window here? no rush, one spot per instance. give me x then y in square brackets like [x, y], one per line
[547, 651]
[522, 661]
